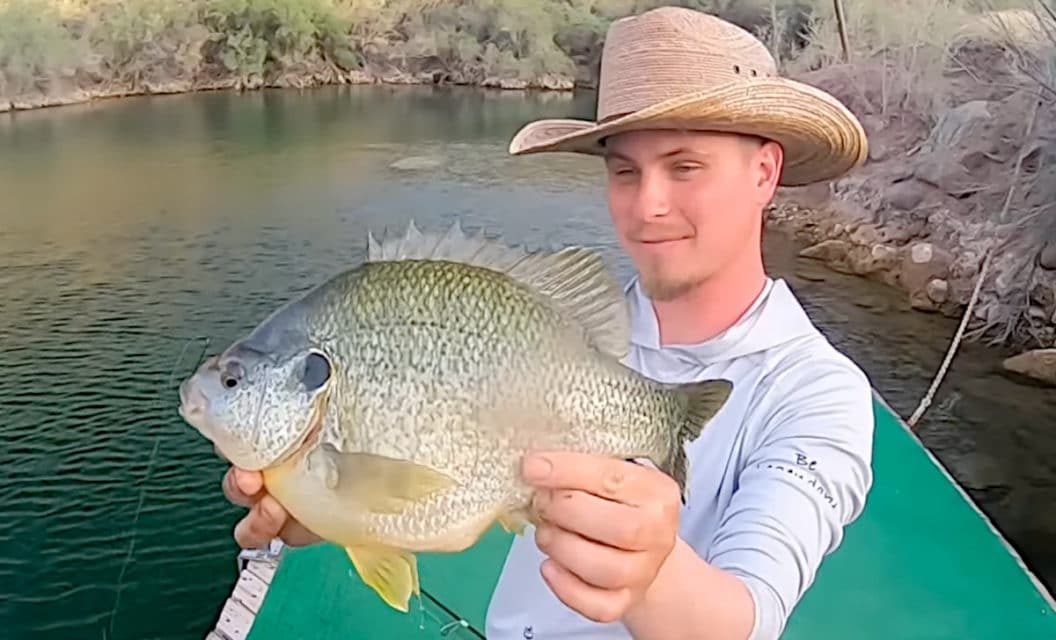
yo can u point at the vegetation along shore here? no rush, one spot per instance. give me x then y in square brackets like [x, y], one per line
[958, 98]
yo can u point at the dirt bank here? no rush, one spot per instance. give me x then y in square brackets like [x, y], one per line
[80, 89]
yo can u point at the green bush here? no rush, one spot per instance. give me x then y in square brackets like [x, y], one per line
[132, 44]
[35, 45]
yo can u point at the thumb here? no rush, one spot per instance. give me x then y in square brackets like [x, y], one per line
[248, 482]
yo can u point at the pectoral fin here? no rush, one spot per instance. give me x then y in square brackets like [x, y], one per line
[515, 520]
[378, 483]
[392, 573]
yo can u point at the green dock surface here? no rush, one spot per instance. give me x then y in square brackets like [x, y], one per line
[921, 562]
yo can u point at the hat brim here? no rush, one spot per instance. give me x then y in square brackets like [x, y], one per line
[820, 137]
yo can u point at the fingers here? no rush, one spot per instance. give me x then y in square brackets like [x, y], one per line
[611, 523]
[249, 482]
[242, 487]
[599, 605]
[609, 478]
[594, 564]
[295, 534]
[262, 524]
[267, 519]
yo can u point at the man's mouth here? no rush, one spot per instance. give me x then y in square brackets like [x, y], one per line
[660, 240]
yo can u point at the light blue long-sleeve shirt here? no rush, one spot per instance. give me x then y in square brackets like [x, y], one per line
[774, 478]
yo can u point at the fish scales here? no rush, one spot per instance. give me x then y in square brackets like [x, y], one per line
[389, 407]
[424, 370]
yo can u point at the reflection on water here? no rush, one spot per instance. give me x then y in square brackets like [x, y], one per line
[130, 228]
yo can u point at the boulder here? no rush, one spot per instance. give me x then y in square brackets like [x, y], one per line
[950, 176]
[938, 290]
[827, 251]
[873, 260]
[959, 125]
[865, 234]
[954, 150]
[903, 229]
[1038, 364]
[920, 301]
[907, 195]
[1047, 258]
[921, 263]
[932, 297]
[555, 82]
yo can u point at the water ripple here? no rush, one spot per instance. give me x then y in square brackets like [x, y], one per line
[109, 297]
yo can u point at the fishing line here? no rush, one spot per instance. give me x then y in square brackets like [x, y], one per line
[150, 469]
[459, 622]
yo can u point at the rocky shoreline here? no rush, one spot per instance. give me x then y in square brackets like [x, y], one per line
[935, 279]
[934, 198]
[83, 90]
[941, 187]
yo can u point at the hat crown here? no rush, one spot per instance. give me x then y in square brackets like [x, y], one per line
[671, 51]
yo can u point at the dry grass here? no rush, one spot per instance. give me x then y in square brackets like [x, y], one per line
[1029, 37]
[912, 41]
[935, 55]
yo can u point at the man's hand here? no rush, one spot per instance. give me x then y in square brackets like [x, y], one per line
[607, 526]
[266, 519]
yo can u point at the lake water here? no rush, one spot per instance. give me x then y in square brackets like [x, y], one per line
[132, 231]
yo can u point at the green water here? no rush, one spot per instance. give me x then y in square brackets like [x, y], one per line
[132, 230]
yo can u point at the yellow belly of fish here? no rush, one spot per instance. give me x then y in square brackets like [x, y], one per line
[356, 513]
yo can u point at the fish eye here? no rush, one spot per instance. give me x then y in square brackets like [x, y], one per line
[232, 374]
[316, 370]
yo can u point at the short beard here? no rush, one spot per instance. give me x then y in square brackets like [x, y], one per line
[663, 289]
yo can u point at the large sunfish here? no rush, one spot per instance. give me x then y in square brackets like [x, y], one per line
[389, 407]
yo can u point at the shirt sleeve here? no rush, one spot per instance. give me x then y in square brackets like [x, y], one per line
[806, 479]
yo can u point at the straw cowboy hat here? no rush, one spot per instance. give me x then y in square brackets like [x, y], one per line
[684, 69]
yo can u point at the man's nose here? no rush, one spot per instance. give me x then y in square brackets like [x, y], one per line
[653, 196]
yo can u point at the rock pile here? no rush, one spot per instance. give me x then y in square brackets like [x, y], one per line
[936, 194]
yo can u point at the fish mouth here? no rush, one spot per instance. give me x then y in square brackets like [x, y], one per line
[193, 403]
[194, 409]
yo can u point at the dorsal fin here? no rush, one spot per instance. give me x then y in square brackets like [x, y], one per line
[574, 278]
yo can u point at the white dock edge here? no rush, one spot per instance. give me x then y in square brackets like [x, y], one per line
[256, 567]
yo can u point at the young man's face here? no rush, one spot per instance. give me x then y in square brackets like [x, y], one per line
[687, 205]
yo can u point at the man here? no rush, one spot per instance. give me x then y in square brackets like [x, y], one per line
[697, 130]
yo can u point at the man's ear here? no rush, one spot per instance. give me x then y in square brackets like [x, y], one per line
[769, 160]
